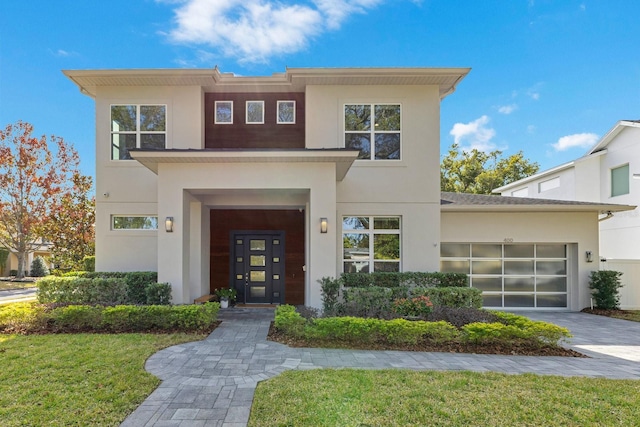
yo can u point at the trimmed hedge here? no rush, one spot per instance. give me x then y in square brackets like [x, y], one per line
[410, 279]
[80, 290]
[451, 296]
[33, 317]
[108, 288]
[350, 329]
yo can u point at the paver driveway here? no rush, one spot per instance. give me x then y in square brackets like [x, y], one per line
[212, 382]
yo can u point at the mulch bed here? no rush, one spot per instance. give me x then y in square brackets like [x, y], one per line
[510, 350]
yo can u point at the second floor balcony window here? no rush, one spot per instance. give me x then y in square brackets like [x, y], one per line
[373, 129]
[137, 126]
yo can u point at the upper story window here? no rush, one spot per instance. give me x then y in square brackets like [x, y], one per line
[137, 126]
[224, 112]
[620, 180]
[373, 129]
[255, 112]
[286, 112]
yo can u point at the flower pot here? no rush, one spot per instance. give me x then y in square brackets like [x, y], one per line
[224, 302]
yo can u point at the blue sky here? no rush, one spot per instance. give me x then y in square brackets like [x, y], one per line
[548, 77]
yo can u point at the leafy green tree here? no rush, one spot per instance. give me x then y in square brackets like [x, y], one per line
[478, 172]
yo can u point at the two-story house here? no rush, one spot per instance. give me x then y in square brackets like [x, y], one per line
[268, 184]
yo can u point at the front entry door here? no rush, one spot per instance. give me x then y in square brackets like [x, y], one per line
[259, 266]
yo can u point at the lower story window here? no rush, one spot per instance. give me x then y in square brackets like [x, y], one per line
[370, 243]
[134, 222]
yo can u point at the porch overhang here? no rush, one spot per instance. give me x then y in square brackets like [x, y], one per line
[342, 158]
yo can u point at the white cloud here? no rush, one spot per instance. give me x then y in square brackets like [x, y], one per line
[61, 53]
[531, 129]
[255, 30]
[581, 140]
[507, 109]
[534, 91]
[475, 134]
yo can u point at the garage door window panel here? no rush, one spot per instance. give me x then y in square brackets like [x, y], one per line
[519, 301]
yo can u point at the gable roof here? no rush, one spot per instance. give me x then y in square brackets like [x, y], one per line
[293, 79]
[492, 203]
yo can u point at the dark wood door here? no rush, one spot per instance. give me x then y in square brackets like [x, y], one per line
[259, 266]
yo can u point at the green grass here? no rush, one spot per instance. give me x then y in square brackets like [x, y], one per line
[7, 285]
[79, 380]
[362, 398]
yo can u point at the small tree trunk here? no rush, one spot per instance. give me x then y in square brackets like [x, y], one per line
[21, 259]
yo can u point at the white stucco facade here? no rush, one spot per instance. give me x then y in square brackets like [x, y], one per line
[192, 178]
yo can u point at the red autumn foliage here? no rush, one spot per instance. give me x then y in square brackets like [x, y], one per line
[35, 172]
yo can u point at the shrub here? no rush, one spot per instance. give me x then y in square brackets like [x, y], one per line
[82, 290]
[289, 321]
[195, 317]
[4, 254]
[418, 306]
[39, 267]
[451, 296]
[348, 328]
[308, 313]
[22, 317]
[373, 301]
[137, 282]
[77, 318]
[605, 286]
[13, 272]
[409, 279]
[401, 331]
[330, 291]
[158, 294]
[459, 317]
[89, 263]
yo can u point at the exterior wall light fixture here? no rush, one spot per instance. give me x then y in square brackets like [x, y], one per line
[589, 256]
[168, 224]
[323, 225]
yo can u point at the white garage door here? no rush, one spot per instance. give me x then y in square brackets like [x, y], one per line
[510, 275]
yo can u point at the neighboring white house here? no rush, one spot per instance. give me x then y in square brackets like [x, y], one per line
[608, 173]
[605, 174]
[267, 184]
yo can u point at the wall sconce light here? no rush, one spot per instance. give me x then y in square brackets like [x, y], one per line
[168, 224]
[323, 225]
[589, 256]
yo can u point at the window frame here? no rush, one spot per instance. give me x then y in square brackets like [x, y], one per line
[278, 103]
[372, 131]
[138, 132]
[114, 216]
[246, 111]
[371, 232]
[215, 112]
[611, 175]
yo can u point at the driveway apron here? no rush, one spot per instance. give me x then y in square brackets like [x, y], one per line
[212, 382]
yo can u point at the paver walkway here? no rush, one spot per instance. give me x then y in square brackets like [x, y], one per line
[212, 382]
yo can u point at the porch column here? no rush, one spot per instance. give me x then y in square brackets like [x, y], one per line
[322, 258]
[173, 247]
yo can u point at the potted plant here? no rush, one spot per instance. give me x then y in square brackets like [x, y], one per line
[225, 295]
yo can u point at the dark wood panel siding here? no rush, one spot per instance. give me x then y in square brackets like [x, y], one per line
[241, 135]
[290, 221]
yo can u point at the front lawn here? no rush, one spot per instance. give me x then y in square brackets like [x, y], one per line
[6, 285]
[349, 397]
[82, 379]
